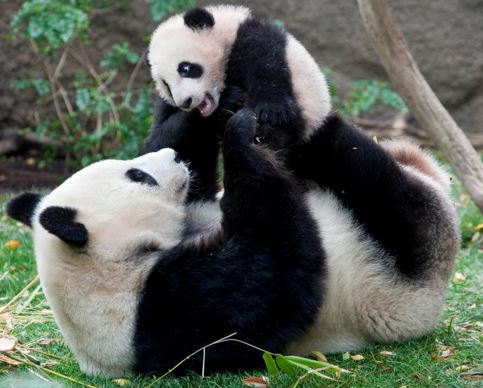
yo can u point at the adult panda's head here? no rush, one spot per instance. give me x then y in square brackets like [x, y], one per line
[188, 53]
[109, 208]
[96, 238]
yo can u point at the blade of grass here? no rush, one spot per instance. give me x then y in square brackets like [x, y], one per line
[19, 295]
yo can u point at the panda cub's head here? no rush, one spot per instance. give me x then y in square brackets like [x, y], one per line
[109, 208]
[187, 56]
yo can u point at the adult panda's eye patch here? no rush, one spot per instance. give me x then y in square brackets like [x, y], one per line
[139, 176]
[190, 70]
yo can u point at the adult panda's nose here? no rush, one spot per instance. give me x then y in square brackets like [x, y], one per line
[187, 103]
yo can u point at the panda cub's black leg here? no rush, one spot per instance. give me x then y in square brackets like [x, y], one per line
[195, 139]
[258, 63]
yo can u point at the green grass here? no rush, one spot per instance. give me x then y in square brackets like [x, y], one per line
[448, 357]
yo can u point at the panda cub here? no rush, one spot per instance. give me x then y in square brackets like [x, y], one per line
[131, 294]
[196, 57]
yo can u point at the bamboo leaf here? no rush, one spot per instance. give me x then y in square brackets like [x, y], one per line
[270, 364]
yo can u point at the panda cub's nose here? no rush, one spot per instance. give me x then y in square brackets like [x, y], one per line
[187, 103]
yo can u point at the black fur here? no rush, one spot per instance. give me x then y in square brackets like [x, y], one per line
[60, 222]
[199, 18]
[190, 70]
[22, 207]
[258, 64]
[196, 139]
[263, 282]
[146, 58]
[138, 176]
[393, 208]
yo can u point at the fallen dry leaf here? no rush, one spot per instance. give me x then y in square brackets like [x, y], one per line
[10, 361]
[475, 237]
[318, 356]
[30, 161]
[443, 353]
[386, 353]
[121, 382]
[447, 352]
[256, 381]
[12, 244]
[49, 364]
[473, 376]
[7, 344]
[48, 341]
[459, 277]
[357, 357]
[462, 368]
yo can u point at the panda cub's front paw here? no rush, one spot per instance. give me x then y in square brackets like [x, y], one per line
[241, 126]
[276, 113]
[232, 99]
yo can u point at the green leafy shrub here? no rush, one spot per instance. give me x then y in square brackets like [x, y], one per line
[367, 94]
[94, 115]
[160, 8]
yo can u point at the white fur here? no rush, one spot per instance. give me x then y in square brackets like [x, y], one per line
[93, 291]
[364, 300]
[172, 42]
[203, 221]
[309, 85]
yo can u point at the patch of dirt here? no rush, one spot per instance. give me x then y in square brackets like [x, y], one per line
[18, 174]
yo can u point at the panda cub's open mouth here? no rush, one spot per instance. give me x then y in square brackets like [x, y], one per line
[207, 106]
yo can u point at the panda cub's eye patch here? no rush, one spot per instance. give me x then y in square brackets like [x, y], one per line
[190, 70]
[139, 176]
[169, 89]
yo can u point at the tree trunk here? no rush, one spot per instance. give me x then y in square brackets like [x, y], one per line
[408, 81]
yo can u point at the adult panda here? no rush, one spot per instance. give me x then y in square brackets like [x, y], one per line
[137, 288]
[130, 293]
[196, 57]
[387, 224]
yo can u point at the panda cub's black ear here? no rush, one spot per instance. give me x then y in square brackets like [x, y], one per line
[199, 18]
[22, 207]
[60, 222]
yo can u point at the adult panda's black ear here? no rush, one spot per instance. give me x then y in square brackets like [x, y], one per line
[146, 58]
[199, 18]
[60, 222]
[22, 207]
